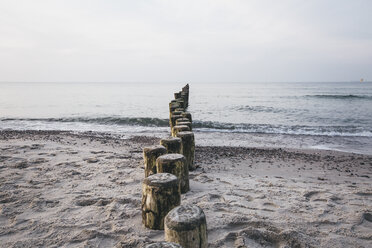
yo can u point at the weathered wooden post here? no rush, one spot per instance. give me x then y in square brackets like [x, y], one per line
[163, 245]
[181, 122]
[173, 106]
[173, 118]
[187, 226]
[150, 154]
[160, 194]
[179, 128]
[177, 95]
[183, 119]
[180, 110]
[172, 144]
[177, 112]
[175, 164]
[184, 96]
[188, 148]
[181, 102]
[187, 115]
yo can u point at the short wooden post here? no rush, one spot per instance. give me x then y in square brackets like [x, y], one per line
[184, 96]
[160, 194]
[173, 106]
[180, 110]
[177, 95]
[181, 102]
[187, 226]
[150, 154]
[177, 112]
[184, 123]
[175, 164]
[172, 144]
[173, 118]
[163, 245]
[188, 148]
[187, 115]
[183, 119]
[179, 128]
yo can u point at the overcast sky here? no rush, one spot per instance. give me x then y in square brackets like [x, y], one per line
[188, 41]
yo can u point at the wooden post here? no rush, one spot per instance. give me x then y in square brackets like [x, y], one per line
[177, 112]
[188, 148]
[173, 118]
[177, 95]
[160, 194]
[163, 245]
[181, 102]
[187, 115]
[178, 128]
[172, 144]
[187, 226]
[183, 119]
[173, 106]
[179, 122]
[150, 154]
[180, 110]
[184, 96]
[175, 164]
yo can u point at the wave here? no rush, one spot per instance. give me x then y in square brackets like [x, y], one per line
[258, 109]
[283, 129]
[140, 121]
[200, 126]
[350, 96]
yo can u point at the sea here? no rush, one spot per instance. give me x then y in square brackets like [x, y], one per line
[303, 115]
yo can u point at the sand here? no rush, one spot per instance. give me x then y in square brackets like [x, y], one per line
[84, 190]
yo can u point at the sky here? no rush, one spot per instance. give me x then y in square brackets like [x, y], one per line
[188, 41]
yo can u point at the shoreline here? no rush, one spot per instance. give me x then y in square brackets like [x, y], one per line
[61, 188]
[248, 140]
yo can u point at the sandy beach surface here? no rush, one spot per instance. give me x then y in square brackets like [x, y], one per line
[62, 189]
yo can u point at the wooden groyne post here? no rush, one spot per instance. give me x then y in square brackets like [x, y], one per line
[172, 144]
[150, 154]
[160, 194]
[188, 148]
[175, 164]
[187, 226]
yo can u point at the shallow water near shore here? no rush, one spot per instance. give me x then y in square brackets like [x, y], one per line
[334, 116]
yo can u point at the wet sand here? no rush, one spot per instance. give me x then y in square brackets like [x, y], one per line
[84, 190]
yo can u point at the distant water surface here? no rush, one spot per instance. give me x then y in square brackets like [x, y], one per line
[323, 115]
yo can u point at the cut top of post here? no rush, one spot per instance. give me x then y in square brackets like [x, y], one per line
[171, 157]
[185, 134]
[154, 149]
[185, 217]
[161, 179]
[175, 112]
[170, 140]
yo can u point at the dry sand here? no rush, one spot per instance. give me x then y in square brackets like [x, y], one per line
[84, 190]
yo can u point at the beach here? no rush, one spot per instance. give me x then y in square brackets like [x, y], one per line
[61, 188]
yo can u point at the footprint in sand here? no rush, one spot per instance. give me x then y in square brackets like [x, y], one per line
[367, 217]
[93, 201]
[40, 204]
[202, 178]
[319, 196]
[364, 193]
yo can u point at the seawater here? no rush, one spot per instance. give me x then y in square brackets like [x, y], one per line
[323, 115]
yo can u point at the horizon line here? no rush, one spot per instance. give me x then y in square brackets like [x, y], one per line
[203, 82]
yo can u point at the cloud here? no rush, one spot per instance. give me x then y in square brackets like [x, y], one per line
[192, 40]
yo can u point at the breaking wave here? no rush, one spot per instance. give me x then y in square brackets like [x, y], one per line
[341, 97]
[200, 126]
